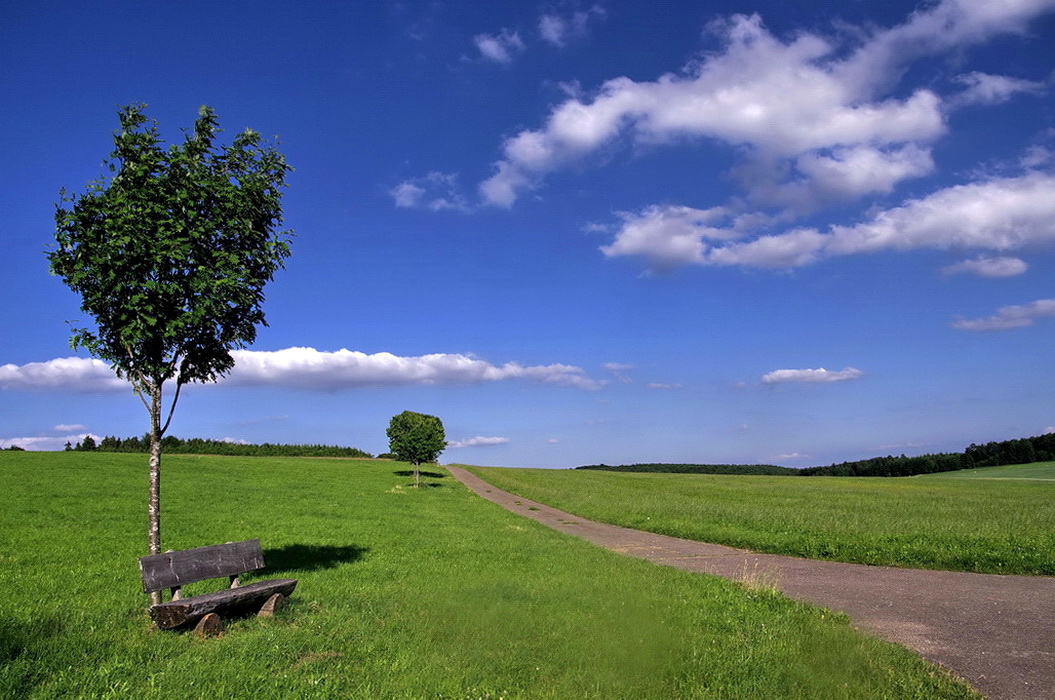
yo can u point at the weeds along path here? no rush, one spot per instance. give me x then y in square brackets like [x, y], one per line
[997, 632]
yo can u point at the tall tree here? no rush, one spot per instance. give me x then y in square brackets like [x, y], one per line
[170, 256]
[416, 438]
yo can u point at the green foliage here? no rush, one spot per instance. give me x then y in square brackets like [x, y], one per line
[200, 446]
[171, 254]
[1040, 448]
[987, 526]
[403, 593]
[170, 257]
[416, 437]
[697, 469]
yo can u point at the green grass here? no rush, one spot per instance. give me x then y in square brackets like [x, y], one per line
[989, 526]
[1042, 471]
[404, 593]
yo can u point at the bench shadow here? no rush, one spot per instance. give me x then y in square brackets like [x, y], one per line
[410, 472]
[310, 557]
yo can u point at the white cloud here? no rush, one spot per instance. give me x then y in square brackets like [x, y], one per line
[820, 375]
[620, 371]
[1009, 317]
[997, 214]
[46, 444]
[73, 428]
[436, 191]
[478, 441]
[76, 374]
[801, 103]
[659, 385]
[987, 89]
[989, 267]
[500, 47]
[558, 29]
[307, 368]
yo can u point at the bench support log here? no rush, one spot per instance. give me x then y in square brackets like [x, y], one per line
[251, 597]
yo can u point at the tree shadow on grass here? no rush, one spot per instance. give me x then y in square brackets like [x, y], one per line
[310, 557]
[410, 472]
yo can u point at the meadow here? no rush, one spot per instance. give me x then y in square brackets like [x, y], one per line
[1001, 524]
[404, 593]
[1039, 471]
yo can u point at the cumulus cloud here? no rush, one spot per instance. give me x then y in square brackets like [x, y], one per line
[500, 47]
[307, 368]
[478, 441]
[557, 29]
[803, 106]
[988, 267]
[436, 191]
[812, 376]
[987, 89]
[1009, 317]
[997, 214]
[77, 374]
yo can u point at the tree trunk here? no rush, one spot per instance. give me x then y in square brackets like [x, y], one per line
[417, 476]
[154, 501]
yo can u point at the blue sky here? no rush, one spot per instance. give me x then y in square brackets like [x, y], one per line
[791, 233]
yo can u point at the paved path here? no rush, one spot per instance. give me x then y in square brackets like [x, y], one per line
[997, 632]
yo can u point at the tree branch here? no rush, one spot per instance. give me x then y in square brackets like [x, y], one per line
[172, 408]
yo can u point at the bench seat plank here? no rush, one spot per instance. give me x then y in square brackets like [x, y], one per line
[179, 612]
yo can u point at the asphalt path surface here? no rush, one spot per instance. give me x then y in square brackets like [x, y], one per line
[996, 632]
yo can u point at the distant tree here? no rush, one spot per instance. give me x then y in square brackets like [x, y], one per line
[416, 438]
[170, 256]
[88, 444]
[68, 447]
[15, 448]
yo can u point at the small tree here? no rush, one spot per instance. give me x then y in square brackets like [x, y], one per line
[170, 257]
[416, 438]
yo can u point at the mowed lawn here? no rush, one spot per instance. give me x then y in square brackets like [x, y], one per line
[404, 593]
[961, 524]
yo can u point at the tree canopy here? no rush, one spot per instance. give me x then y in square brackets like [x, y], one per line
[170, 256]
[416, 438]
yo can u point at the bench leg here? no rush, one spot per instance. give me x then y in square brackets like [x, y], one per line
[272, 605]
[209, 626]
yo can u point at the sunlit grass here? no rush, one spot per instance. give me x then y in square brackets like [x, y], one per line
[404, 593]
[989, 526]
[1044, 471]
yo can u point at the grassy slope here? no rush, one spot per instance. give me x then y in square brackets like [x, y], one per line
[403, 594]
[955, 524]
[1043, 471]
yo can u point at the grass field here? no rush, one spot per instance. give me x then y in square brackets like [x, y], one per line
[404, 593]
[1040, 471]
[990, 526]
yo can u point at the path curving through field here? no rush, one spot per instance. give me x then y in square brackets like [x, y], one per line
[997, 632]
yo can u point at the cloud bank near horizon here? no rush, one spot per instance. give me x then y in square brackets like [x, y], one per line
[306, 369]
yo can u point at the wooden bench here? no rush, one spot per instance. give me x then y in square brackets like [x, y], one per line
[175, 569]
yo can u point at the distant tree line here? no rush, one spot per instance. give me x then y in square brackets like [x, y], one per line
[1040, 448]
[767, 469]
[200, 446]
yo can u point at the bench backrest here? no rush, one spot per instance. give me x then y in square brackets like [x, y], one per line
[173, 569]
